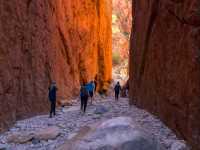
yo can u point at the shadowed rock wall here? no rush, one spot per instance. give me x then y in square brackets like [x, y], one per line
[63, 40]
[165, 63]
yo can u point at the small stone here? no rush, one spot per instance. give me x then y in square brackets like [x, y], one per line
[72, 108]
[35, 141]
[100, 109]
[19, 138]
[96, 117]
[90, 114]
[47, 133]
[70, 136]
[61, 126]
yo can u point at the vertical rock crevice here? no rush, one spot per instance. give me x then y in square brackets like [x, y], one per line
[164, 64]
[41, 41]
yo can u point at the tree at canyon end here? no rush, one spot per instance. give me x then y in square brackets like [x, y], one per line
[121, 28]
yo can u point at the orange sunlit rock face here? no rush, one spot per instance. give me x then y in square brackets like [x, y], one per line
[164, 63]
[62, 40]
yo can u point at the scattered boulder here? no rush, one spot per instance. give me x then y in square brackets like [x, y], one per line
[100, 109]
[35, 137]
[179, 145]
[20, 137]
[35, 141]
[47, 133]
[62, 126]
[120, 133]
[3, 146]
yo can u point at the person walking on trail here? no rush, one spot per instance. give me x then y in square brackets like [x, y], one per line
[52, 98]
[117, 90]
[90, 88]
[84, 97]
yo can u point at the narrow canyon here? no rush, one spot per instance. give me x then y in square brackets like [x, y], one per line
[70, 41]
[51, 40]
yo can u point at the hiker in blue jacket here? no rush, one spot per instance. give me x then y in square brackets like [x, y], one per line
[90, 88]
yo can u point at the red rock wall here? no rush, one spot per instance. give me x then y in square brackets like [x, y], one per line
[165, 63]
[104, 46]
[62, 40]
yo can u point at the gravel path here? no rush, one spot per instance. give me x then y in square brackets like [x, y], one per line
[69, 120]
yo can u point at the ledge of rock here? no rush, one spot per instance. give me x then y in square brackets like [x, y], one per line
[49, 133]
[117, 133]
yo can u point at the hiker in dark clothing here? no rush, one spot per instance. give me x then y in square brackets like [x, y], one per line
[117, 90]
[84, 97]
[52, 98]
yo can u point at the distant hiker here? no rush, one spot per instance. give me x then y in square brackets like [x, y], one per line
[52, 98]
[95, 84]
[127, 89]
[117, 90]
[124, 91]
[90, 88]
[84, 97]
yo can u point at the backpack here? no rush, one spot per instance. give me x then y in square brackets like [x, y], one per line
[117, 88]
[84, 91]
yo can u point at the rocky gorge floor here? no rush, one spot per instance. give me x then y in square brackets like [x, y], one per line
[44, 133]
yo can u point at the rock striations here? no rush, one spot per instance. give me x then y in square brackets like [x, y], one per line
[63, 40]
[165, 63]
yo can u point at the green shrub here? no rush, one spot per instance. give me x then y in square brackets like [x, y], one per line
[116, 58]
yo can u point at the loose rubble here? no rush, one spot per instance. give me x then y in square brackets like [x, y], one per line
[55, 131]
